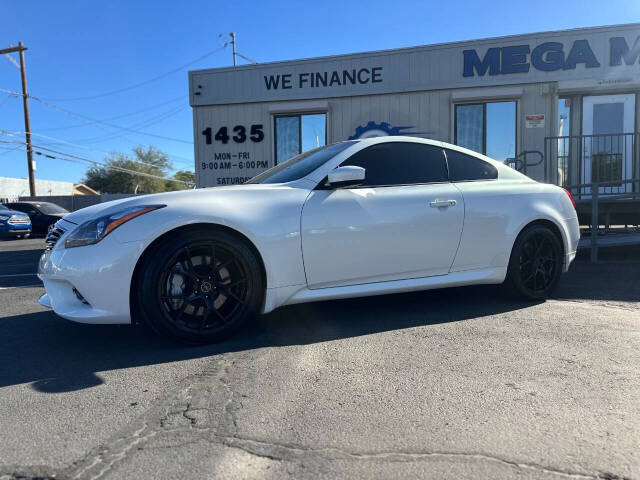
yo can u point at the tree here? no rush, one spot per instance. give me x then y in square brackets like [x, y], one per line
[113, 179]
[184, 176]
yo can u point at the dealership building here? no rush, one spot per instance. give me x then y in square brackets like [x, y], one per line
[563, 106]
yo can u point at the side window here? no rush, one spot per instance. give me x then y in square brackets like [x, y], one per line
[400, 163]
[464, 168]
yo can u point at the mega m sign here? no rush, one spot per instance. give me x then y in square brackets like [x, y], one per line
[547, 57]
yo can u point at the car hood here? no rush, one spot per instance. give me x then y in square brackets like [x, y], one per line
[13, 212]
[181, 197]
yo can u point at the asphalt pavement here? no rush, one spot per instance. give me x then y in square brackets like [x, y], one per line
[453, 384]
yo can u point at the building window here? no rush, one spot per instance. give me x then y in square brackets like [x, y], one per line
[564, 141]
[564, 117]
[487, 128]
[299, 133]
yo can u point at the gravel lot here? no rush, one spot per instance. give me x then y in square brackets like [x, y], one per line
[452, 384]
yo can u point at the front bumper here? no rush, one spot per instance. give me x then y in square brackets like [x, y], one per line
[8, 229]
[90, 284]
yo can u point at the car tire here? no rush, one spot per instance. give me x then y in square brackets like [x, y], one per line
[535, 265]
[200, 286]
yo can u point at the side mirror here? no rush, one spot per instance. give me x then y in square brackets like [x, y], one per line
[346, 176]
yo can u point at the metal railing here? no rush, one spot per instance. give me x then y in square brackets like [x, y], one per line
[595, 199]
[606, 159]
[520, 162]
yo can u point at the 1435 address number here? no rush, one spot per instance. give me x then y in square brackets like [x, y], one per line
[256, 134]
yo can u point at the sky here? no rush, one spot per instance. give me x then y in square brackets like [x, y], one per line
[89, 48]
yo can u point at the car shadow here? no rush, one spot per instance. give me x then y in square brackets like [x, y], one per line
[56, 355]
[606, 281]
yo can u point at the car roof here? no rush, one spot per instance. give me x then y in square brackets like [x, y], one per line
[427, 141]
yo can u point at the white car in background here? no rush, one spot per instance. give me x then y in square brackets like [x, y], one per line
[363, 217]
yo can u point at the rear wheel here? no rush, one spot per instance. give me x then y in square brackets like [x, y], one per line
[535, 265]
[200, 286]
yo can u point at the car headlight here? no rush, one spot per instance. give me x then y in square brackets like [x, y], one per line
[4, 217]
[92, 231]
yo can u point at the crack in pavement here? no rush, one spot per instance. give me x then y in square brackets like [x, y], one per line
[188, 409]
[255, 447]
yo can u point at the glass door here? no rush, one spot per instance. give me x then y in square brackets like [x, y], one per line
[607, 141]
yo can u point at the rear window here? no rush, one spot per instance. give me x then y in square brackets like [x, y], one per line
[465, 168]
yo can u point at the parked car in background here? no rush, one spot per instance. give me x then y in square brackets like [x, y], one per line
[42, 214]
[14, 223]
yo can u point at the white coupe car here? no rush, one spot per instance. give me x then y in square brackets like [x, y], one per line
[356, 218]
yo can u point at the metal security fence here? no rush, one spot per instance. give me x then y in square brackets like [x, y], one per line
[76, 202]
[606, 159]
[614, 219]
[602, 172]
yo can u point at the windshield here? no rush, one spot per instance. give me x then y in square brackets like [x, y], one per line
[300, 165]
[2, 207]
[50, 208]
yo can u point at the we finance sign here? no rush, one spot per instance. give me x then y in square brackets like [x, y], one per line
[547, 57]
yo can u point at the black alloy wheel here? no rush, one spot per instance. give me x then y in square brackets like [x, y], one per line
[536, 263]
[203, 287]
[200, 287]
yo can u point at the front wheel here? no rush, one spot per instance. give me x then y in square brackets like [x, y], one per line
[200, 286]
[535, 265]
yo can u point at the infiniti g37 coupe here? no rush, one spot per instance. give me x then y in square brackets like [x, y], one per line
[356, 218]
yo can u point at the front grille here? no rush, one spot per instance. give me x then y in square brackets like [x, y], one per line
[53, 236]
[19, 220]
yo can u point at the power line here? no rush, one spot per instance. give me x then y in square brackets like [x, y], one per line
[59, 140]
[12, 60]
[145, 123]
[84, 117]
[146, 82]
[130, 114]
[245, 57]
[78, 159]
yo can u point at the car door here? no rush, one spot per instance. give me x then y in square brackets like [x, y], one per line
[404, 221]
[485, 241]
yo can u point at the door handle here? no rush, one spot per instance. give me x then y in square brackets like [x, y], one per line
[442, 203]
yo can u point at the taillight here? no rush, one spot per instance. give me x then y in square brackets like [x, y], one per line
[570, 197]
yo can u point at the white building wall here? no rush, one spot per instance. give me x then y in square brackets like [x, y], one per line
[427, 114]
[12, 188]
[416, 88]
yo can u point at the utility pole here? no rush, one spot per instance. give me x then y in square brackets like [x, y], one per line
[233, 44]
[25, 104]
